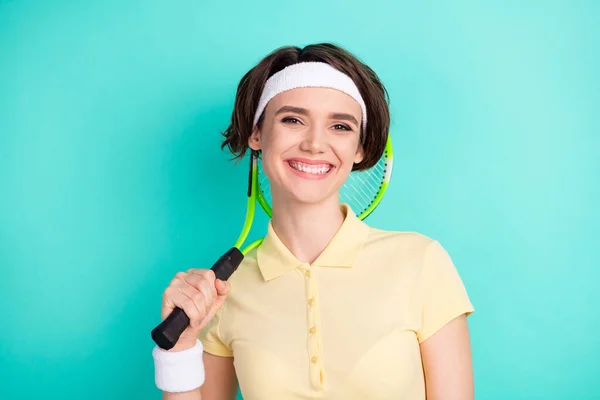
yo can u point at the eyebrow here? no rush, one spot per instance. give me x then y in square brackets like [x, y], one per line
[304, 111]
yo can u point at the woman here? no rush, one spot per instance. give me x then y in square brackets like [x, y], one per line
[327, 307]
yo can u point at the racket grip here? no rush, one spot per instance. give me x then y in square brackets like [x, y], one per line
[167, 333]
[227, 263]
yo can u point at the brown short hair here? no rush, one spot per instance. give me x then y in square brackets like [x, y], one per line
[250, 88]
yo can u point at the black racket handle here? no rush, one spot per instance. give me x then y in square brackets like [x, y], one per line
[167, 333]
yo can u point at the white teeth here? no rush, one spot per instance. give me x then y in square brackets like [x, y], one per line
[310, 169]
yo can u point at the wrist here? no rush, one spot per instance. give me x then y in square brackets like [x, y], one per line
[179, 371]
[182, 345]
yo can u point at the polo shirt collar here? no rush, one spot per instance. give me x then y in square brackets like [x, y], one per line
[274, 258]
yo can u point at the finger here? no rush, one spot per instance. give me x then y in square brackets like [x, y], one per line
[168, 302]
[199, 299]
[205, 275]
[204, 282]
[223, 287]
[175, 297]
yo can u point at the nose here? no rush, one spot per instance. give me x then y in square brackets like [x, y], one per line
[315, 140]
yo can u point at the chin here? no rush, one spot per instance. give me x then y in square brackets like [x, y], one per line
[309, 198]
[312, 192]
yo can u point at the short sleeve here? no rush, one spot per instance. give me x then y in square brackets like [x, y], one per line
[211, 339]
[443, 294]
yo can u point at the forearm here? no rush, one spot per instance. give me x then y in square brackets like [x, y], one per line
[191, 395]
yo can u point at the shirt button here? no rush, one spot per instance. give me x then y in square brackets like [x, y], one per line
[314, 359]
[313, 330]
[307, 273]
[310, 301]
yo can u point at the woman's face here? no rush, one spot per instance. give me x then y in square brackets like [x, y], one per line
[310, 139]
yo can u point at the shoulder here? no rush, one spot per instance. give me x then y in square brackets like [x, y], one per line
[406, 251]
[395, 254]
[407, 242]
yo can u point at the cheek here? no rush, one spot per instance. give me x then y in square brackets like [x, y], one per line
[272, 140]
[269, 160]
[348, 152]
[277, 144]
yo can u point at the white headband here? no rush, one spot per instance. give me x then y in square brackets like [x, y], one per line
[309, 74]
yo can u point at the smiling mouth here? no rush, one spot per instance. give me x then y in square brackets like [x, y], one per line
[319, 169]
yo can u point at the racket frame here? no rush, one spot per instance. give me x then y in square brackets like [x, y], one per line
[254, 195]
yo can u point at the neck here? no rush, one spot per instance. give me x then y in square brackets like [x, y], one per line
[306, 229]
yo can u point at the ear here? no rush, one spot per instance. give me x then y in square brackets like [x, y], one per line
[360, 155]
[254, 139]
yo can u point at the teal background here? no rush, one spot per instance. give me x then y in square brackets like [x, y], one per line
[112, 180]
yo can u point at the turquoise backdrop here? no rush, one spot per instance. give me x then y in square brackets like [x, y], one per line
[112, 180]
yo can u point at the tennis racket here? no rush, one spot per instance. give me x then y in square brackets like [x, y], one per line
[362, 191]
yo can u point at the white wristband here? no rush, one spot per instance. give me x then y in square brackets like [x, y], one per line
[180, 371]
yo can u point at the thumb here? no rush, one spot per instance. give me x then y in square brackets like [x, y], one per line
[222, 287]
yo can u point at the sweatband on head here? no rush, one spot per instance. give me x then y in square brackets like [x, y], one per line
[309, 74]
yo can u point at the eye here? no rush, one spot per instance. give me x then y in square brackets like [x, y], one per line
[342, 127]
[290, 120]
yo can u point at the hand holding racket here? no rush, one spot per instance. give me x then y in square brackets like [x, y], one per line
[363, 191]
[199, 294]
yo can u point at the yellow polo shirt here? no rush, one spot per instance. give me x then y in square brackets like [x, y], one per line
[347, 326]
